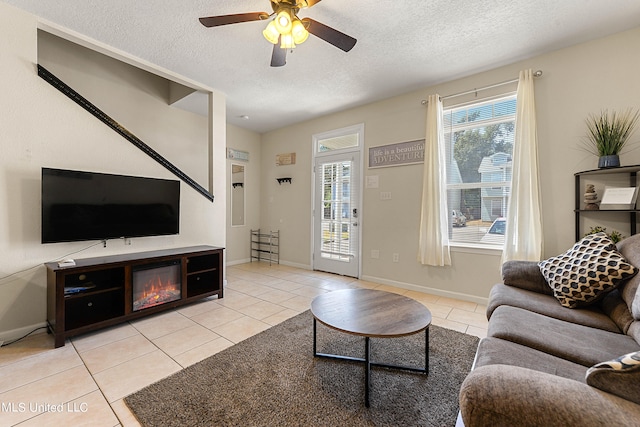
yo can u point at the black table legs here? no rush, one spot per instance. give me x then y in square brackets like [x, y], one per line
[367, 375]
[369, 363]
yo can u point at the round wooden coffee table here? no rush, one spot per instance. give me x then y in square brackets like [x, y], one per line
[371, 314]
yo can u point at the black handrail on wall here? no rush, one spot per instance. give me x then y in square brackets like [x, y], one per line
[104, 118]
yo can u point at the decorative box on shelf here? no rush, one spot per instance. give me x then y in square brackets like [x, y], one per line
[619, 198]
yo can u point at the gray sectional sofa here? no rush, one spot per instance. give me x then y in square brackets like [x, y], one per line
[543, 364]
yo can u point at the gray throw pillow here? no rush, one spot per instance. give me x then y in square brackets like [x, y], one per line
[587, 271]
[620, 376]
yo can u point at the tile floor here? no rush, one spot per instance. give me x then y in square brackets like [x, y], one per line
[84, 382]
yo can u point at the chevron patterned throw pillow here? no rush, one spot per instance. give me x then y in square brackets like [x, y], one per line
[586, 272]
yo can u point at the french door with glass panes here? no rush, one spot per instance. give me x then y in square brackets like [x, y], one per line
[336, 214]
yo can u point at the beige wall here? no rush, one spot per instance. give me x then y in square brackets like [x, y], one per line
[238, 247]
[41, 127]
[176, 134]
[577, 81]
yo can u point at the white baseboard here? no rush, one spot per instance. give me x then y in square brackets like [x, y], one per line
[241, 261]
[14, 334]
[428, 290]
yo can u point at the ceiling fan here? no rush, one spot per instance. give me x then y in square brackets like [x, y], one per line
[286, 28]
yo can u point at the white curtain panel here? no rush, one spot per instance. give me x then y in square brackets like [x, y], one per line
[434, 235]
[523, 237]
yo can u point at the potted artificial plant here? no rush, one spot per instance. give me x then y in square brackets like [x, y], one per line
[608, 134]
[615, 236]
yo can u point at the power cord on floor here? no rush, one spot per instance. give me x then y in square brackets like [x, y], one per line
[4, 344]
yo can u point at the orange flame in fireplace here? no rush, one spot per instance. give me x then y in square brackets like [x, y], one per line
[156, 290]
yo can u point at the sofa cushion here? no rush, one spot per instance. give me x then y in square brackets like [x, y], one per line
[620, 376]
[591, 316]
[630, 249]
[614, 306]
[634, 331]
[570, 341]
[583, 274]
[525, 275]
[495, 351]
[500, 395]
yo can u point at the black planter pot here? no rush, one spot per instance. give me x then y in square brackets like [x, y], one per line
[612, 161]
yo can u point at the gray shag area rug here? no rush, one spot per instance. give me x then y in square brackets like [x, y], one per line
[272, 379]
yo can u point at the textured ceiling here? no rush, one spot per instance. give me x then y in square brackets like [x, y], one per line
[403, 45]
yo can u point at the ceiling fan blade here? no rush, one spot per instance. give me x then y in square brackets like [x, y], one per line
[279, 55]
[216, 21]
[330, 35]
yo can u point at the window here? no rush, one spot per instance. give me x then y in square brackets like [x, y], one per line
[338, 142]
[479, 141]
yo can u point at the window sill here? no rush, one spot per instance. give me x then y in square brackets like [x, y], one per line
[472, 248]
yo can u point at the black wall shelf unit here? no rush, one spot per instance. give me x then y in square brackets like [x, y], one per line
[594, 174]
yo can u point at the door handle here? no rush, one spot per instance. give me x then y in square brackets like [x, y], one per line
[355, 224]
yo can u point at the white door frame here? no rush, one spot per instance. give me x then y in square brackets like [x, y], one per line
[359, 129]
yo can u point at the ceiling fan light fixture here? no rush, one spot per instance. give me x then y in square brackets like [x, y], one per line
[299, 32]
[286, 41]
[271, 33]
[284, 29]
[283, 22]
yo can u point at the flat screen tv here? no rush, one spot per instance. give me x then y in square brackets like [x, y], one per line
[79, 205]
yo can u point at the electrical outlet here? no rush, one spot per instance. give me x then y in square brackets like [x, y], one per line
[375, 254]
[385, 195]
[396, 257]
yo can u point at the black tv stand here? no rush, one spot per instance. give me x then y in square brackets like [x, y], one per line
[97, 292]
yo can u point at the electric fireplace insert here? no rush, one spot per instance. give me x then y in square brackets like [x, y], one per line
[156, 284]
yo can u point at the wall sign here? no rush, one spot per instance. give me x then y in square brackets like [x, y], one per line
[285, 159]
[402, 153]
[237, 155]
